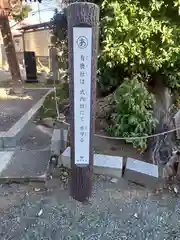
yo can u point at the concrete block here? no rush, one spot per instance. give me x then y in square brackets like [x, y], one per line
[103, 164]
[5, 160]
[10, 142]
[59, 141]
[141, 172]
[65, 158]
[108, 165]
[1, 142]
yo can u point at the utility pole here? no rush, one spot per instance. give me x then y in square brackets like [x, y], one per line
[39, 13]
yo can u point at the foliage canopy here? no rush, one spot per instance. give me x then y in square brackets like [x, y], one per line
[139, 37]
[59, 30]
[139, 42]
[24, 13]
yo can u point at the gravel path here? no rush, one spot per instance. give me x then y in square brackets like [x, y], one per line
[116, 211]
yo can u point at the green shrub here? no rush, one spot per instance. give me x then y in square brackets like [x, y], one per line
[48, 108]
[132, 114]
[59, 31]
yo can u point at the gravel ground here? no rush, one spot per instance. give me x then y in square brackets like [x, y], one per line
[116, 211]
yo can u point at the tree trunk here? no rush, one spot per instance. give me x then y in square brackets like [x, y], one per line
[16, 83]
[162, 146]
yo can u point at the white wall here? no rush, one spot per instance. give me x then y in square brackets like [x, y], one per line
[38, 41]
[18, 43]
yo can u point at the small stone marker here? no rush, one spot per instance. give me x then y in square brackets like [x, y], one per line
[141, 172]
[59, 141]
[108, 165]
[83, 35]
[66, 158]
[103, 164]
[53, 62]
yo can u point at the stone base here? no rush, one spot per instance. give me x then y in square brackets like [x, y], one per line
[24, 166]
[58, 141]
[142, 173]
[103, 164]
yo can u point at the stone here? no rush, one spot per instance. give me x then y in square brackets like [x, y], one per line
[176, 190]
[47, 122]
[114, 180]
[59, 141]
[142, 173]
[65, 174]
[40, 213]
[108, 165]
[65, 158]
[24, 165]
[5, 159]
[103, 164]
[37, 189]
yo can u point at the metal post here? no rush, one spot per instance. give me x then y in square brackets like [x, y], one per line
[83, 35]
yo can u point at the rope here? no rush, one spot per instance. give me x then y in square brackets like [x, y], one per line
[132, 138]
[109, 137]
[56, 103]
[55, 93]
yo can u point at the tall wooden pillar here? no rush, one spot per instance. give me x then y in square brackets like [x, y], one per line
[83, 35]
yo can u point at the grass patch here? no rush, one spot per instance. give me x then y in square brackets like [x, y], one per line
[48, 109]
[8, 84]
[36, 85]
[5, 96]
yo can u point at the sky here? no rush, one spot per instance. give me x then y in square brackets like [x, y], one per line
[41, 12]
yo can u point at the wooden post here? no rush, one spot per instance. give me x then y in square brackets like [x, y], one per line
[53, 57]
[83, 36]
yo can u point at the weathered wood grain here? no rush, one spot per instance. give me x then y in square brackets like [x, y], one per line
[82, 13]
